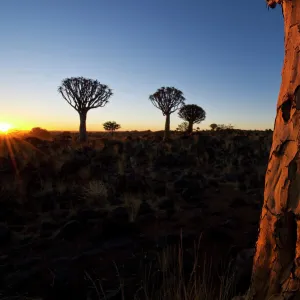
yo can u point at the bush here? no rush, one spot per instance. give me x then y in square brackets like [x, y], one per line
[40, 133]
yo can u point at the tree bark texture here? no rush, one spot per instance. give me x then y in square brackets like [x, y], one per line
[190, 128]
[167, 127]
[82, 127]
[276, 265]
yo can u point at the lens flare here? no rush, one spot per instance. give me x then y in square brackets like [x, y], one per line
[5, 127]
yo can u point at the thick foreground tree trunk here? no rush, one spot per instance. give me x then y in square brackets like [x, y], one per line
[167, 127]
[276, 266]
[82, 127]
[190, 128]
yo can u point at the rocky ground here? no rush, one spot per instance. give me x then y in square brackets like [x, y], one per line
[119, 218]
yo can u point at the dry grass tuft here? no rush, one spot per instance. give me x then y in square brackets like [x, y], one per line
[174, 284]
[96, 192]
[132, 203]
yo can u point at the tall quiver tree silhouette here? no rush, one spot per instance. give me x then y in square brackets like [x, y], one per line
[276, 265]
[193, 114]
[84, 94]
[168, 100]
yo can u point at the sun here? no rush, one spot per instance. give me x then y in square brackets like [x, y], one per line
[5, 127]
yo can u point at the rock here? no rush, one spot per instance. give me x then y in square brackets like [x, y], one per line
[243, 269]
[189, 188]
[230, 177]
[145, 209]
[214, 183]
[88, 253]
[7, 211]
[90, 214]
[35, 141]
[229, 223]
[19, 279]
[218, 236]
[5, 268]
[120, 242]
[6, 165]
[71, 167]
[48, 202]
[146, 219]
[70, 230]
[68, 283]
[5, 234]
[157, 187]
[28, 263]
[166, 204]
[120, 214]
[116, 228]
[48, 225]
[238, 202]
[165, 160]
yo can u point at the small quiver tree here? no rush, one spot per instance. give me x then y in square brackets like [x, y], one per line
[111, 126]
[193, 114]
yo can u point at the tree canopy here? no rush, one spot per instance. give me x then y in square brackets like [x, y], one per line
[167, 99]
[111, 126]
[192, 113]
[84, 94]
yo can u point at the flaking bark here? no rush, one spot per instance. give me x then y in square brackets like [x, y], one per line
[276, 266]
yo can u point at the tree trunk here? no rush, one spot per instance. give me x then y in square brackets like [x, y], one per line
[190, 128]
[276, 265]
[167, 127]
[82, 127]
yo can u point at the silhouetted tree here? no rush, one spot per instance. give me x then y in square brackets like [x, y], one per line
[40, 133]
[111, 126]
[183, 127]
[224, 127]
[168, 100]
[213, 126]
[276, 265]
[84, 94]
[193, 114]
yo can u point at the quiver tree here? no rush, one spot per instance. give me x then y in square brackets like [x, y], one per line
[84, 94]
[213, 126]
[276, 265]
[111, 126]
[193, 114]
[183, 127]
[168, 100]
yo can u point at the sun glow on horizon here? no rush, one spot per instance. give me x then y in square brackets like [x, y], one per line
[5, 127]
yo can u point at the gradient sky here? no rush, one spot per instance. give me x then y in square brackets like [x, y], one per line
[226, 56]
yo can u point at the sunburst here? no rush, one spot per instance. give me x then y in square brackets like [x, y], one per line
[5, 127]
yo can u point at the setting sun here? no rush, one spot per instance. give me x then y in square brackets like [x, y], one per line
[5, 127]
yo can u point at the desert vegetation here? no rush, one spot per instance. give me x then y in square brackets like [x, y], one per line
[111, 126]
[121, 216]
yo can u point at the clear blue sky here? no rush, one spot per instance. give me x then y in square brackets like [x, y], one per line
[226, 56]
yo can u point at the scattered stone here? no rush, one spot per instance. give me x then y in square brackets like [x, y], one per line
[5, 234]
[166, 204]
[243, 269]
[69, 231]
[90, 214]
[145, 209]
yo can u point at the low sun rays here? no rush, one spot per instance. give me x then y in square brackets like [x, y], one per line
[16, 151]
